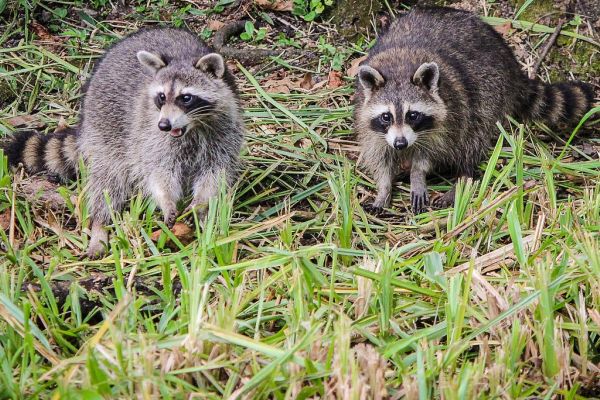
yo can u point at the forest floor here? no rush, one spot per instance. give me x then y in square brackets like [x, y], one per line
[290, 289]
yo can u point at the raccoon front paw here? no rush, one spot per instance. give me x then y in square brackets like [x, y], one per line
[444, 201]
[98, 241]
[54, 178]
[373, 209]
[419, 202]
[169, 218]
[198, 209]
[95, 250]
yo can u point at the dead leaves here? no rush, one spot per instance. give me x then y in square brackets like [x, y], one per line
[307, 81]
[354, 65]
[275, 5]
[214, 25]
[504, 29]
[334, 79]
[281, 83]
[43, 193]
[41, 31]
[5, 219]
[52, 42]
[181, 231]
[25, 121]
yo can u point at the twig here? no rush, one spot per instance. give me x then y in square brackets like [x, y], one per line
[546, 49]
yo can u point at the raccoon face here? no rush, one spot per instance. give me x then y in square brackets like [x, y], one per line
[402, 108]
[185, 96]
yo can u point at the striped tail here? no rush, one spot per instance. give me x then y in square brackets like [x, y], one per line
[557, 103]
[55, 153]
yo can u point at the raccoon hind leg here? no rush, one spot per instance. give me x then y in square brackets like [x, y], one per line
[447, 199]
[118, 192]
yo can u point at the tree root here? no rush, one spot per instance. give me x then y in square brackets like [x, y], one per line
[245, 56]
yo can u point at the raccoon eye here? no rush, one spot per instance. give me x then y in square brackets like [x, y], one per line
[386, 118]
[160, 100]
[187, 98]
[414, 116]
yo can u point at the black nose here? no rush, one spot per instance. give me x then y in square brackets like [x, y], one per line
[164, 125]
[400, 143]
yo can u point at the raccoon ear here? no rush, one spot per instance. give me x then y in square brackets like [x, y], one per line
[212, 64]
[369, 77]
[150, 61]
[428, 75]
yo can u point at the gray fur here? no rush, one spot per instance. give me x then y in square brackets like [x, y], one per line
[119, 136]
[459, 70]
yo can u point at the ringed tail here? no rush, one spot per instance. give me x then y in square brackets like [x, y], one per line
[564, 102]
[54, 153]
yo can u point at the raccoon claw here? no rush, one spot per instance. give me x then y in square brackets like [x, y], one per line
[373, 209]
[444, 201]
[419, 202]
[54, 178]
[169, 219]
[194, 208]
[95, 250]
[98, 243]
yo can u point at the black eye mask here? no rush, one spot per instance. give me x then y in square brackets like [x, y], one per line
[382, 122]
[189, 103]
[418, 121]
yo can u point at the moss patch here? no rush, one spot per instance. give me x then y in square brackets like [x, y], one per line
[354, 16]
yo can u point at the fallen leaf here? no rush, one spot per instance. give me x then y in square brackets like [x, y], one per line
[285, 89]
[5, 219]
[305, 143]
[307, 81]
[503, 29]
[181, 231]
[61, 125]
[41, 31]
[354, 64]
[52, 42]
[334, 80]
[276, 5]
[214, 25]
[282, 85]
[42, 193]
[320, 84]
[25, 121]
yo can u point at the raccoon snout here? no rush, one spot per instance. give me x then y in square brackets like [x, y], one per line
[400, 143]
[164, 125]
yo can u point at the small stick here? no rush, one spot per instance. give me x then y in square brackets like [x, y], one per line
[546, 49]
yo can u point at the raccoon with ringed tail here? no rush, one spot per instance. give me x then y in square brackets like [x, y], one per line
[430, 93]
[160, 115]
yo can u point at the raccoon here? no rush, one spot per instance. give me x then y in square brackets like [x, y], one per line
[160, 115]
[429, 95]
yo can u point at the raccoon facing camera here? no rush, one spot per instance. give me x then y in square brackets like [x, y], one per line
[160, 115]
[430, 93]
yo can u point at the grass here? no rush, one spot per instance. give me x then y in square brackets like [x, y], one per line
[290, 290]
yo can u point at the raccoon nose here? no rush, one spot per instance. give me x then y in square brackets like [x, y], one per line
[164, 125]
[400, 143]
